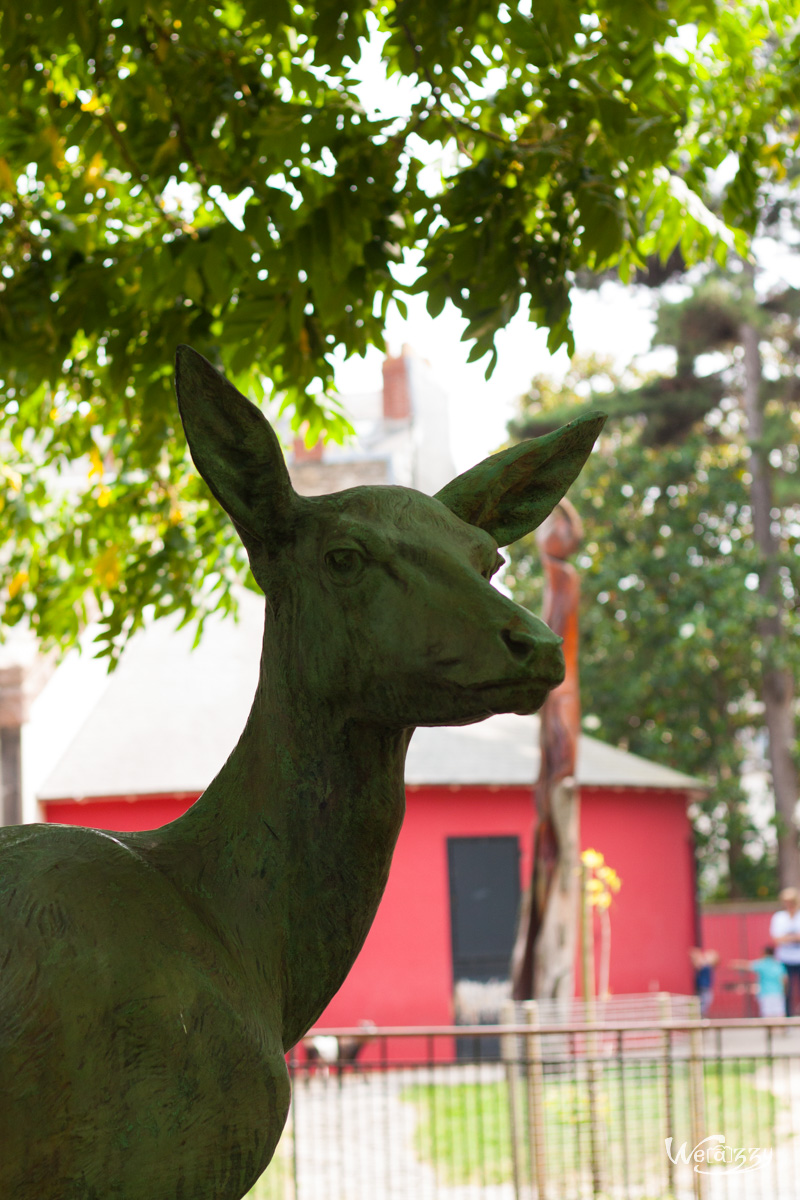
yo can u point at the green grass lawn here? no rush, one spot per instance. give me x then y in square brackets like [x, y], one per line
[464, 1129]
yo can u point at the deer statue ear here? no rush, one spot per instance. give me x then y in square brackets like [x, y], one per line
[512, 492]
[234, 448]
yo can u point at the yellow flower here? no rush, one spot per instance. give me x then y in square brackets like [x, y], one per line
[610, 878]
[592, 858]
[104, 497]
[594, 885]
[97, 463]
[17, 583]
[14, 478]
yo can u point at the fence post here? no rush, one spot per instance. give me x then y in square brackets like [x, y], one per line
[535, 1079]
[509, 1043]
[665, 1013]
[697, 1114]
[592, 1065]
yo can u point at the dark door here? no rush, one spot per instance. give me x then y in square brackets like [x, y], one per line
[484, 897]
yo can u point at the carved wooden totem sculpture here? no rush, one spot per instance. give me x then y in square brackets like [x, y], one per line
[544, 953]
[151, 983]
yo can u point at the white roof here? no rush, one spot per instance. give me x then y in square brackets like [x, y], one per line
[505, 750]
[166, 720]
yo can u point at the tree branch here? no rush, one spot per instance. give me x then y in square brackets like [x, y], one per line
[175, 224]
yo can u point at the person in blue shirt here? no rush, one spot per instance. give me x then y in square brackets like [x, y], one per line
[704, 962]
[771, 980]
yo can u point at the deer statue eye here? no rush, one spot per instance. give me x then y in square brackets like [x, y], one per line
[345, 564]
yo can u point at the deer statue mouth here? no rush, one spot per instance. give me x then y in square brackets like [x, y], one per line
[547, 672]
[520, 697]
[534, 690]
[464, 704]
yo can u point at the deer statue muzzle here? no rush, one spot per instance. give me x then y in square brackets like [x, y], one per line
[151, 983]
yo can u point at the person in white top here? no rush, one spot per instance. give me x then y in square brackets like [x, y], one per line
[784, 929]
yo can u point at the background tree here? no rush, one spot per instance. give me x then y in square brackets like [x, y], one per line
[675, 640]
[727, 316]
[575, 136]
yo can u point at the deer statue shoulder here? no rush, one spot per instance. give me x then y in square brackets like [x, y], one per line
[151, 983]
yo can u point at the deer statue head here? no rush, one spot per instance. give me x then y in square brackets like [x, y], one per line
[381, 597]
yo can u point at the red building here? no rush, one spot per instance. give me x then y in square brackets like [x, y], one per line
[157, 730]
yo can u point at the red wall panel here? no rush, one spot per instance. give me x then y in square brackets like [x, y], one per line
[646, 837]
[119, 815]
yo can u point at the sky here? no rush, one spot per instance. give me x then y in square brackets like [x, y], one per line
[614, 321]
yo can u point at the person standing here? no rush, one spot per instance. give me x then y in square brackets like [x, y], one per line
[704, 962]
[772, 979]
[784, 929]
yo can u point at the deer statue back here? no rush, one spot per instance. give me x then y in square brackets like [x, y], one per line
[151, 983]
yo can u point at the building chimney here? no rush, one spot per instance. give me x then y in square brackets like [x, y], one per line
[13, 712]
[396, 389]
[14, 701]
[304, 453]
[23, 674]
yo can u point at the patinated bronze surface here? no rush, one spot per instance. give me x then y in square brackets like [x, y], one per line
[150, 983]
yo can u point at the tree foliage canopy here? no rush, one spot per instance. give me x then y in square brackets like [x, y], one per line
[567, 137]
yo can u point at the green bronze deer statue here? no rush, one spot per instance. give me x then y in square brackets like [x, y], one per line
[152, 983]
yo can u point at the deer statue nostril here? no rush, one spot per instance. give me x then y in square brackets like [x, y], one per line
[538, 651]
[521, 644]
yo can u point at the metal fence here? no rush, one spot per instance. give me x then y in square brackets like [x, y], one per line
[702, 1110]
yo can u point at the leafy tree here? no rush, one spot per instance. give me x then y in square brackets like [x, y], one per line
[573, 136]
[728, 317]
[674, 649]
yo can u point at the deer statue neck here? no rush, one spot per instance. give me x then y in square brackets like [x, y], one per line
[288, 851]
